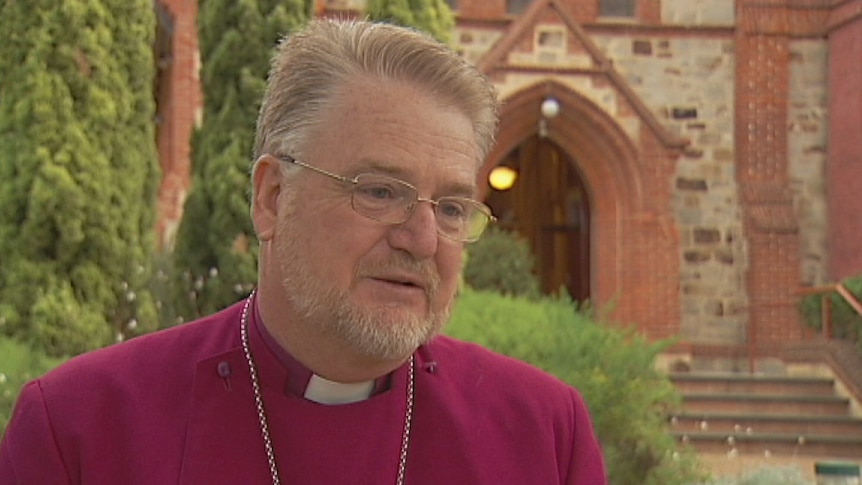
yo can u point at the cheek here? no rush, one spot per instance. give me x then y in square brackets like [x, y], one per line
[449, 261]
[341, 243]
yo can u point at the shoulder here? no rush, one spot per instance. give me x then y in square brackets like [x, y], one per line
[471, 366]
[137, 393]
[506, 401]
[147, 362]
[472, 356]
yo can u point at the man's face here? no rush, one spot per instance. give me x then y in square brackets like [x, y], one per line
[380, 289]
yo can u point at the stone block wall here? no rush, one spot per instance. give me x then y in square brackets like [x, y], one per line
[688, 81]
[807, 127]
[473, 41]
[698, 12]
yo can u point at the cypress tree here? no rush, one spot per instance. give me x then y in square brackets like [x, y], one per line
[432, 16]
[216, 249]
[78, 171]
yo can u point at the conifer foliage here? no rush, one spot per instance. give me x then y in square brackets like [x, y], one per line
[216, 249]
[431, 16]
[78, 171]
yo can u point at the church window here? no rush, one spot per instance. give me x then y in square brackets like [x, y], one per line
[617, 8]
[514, 7]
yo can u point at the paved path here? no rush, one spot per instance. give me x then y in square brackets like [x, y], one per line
[722, 465]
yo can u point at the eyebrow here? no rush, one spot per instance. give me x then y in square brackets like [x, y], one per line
[458, 189]
[378, 167]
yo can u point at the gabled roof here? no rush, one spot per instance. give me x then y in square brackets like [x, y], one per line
[495, 60]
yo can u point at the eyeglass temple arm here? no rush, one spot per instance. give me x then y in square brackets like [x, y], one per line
[289, 159]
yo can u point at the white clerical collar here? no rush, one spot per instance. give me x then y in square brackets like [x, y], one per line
[324, 391]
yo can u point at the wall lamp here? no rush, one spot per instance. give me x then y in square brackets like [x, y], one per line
[549, 108]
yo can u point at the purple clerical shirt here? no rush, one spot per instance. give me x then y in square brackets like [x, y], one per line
[177, 407]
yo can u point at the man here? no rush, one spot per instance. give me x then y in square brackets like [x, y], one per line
[368, 145]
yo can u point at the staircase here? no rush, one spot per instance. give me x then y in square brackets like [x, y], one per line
[765, 415]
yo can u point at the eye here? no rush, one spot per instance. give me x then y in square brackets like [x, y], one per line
[380, 189]
[452, 209]
[376, 191]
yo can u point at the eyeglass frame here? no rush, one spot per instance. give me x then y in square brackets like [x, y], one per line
[410, 208]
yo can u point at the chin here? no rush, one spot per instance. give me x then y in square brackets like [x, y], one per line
[388, 332]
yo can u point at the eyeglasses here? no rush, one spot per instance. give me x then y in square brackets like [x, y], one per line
[392, 201]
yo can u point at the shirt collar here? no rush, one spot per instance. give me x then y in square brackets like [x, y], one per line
[300, 376]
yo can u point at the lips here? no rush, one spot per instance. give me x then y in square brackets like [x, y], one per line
[404, 280]
[403, 272]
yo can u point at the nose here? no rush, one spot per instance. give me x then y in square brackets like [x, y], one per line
[418, 234]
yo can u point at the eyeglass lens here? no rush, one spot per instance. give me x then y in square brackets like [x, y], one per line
[392, 201]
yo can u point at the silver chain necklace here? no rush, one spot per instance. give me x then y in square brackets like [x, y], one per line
[261, 413]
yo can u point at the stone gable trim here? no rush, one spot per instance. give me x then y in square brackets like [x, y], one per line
[494, 61]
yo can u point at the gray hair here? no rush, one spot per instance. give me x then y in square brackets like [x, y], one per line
[311, 65]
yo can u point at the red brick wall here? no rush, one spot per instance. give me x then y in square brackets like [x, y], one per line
[649, 11]
[482, 9]
[651, 260]
[762, 87]
[844, 169]
[179, 103]
[580, 10]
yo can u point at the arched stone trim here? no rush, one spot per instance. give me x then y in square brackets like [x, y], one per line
[606, 158]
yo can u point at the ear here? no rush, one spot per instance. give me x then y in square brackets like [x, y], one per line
[267, 187]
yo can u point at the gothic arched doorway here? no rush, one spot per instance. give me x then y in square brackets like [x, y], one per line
[549, 206]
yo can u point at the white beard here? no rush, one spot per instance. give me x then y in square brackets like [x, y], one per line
[385, 332]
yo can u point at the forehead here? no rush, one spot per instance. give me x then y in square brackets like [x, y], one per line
[396, 128]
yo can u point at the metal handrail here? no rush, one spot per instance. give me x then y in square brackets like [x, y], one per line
[826, 303]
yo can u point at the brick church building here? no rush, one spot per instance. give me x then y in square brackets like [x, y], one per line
[696, 162]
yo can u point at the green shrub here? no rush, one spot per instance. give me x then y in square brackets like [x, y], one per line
[846, 323]
[613, 369]
[215, 236]
[79, 170]
[501, 262]
[19, 363]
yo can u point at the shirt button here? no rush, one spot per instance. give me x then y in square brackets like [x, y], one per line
[224, 370]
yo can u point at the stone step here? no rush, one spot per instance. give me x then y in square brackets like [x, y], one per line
[764, 415]
[766, 444]
[759, 423]
[741, 404]
[700, 383]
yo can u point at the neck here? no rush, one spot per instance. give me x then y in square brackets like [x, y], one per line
[323, 355]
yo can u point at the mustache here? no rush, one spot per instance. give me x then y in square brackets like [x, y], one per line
[401, 262]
